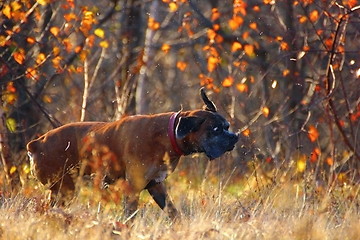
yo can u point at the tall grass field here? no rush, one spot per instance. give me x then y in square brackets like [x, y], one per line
[220, 205]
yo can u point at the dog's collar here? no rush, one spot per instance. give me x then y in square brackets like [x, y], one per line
[172, 135]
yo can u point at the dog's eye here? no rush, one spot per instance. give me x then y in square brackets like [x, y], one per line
[216, 129]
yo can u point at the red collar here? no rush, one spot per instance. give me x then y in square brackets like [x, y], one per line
[171, 133]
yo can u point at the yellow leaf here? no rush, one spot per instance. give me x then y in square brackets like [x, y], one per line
[301, 164]
[12, 170]
[26, 168]
[40, 58]
[2, 41]
[99, 32]
[7, 11]
[43, 2]
[11, 124]
[173, 6]
[104, 44]
[265, 111]
[15, 6]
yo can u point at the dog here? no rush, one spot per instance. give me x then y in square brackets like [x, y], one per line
[141, 149]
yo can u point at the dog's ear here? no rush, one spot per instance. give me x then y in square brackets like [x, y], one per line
[187, 125]
[209, 105]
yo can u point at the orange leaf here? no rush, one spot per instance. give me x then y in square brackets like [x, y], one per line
[350, 3]
[56, 51]
[330, 161]
[67, 44]
[313, 133]
[31, 73]
[286, 72]
[253, 25]
[306, 48]
[265, 111]
[10, 87]
[152, 24]
[30, 40]
[302, 19]
[246, 132]
[214, 14]
[256, 8]
[19, 56]
[315, 155]
[165, 47]
[216, 27]
[211, 34]
[242, 87]
[235, 22]
[268, 1]
[228, 81]
[245, 35]
[55, 31]
[47, 99]
[181, 65]
[249, 50]
[70, 16]
[284, 46]
[212, 63]
[239, 6]
[56, 62]
[236, 46]
[314, 15]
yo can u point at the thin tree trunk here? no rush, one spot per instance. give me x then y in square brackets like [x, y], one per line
[142, 105]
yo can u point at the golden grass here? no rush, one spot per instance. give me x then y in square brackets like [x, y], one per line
[249, 208]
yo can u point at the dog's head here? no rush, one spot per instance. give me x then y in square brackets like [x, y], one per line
[205, 131]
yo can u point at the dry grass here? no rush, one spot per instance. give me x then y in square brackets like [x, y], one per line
[249, 208]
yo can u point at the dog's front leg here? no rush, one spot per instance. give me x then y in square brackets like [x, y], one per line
[159, 194]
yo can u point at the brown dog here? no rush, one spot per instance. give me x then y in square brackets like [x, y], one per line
[140, 149]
